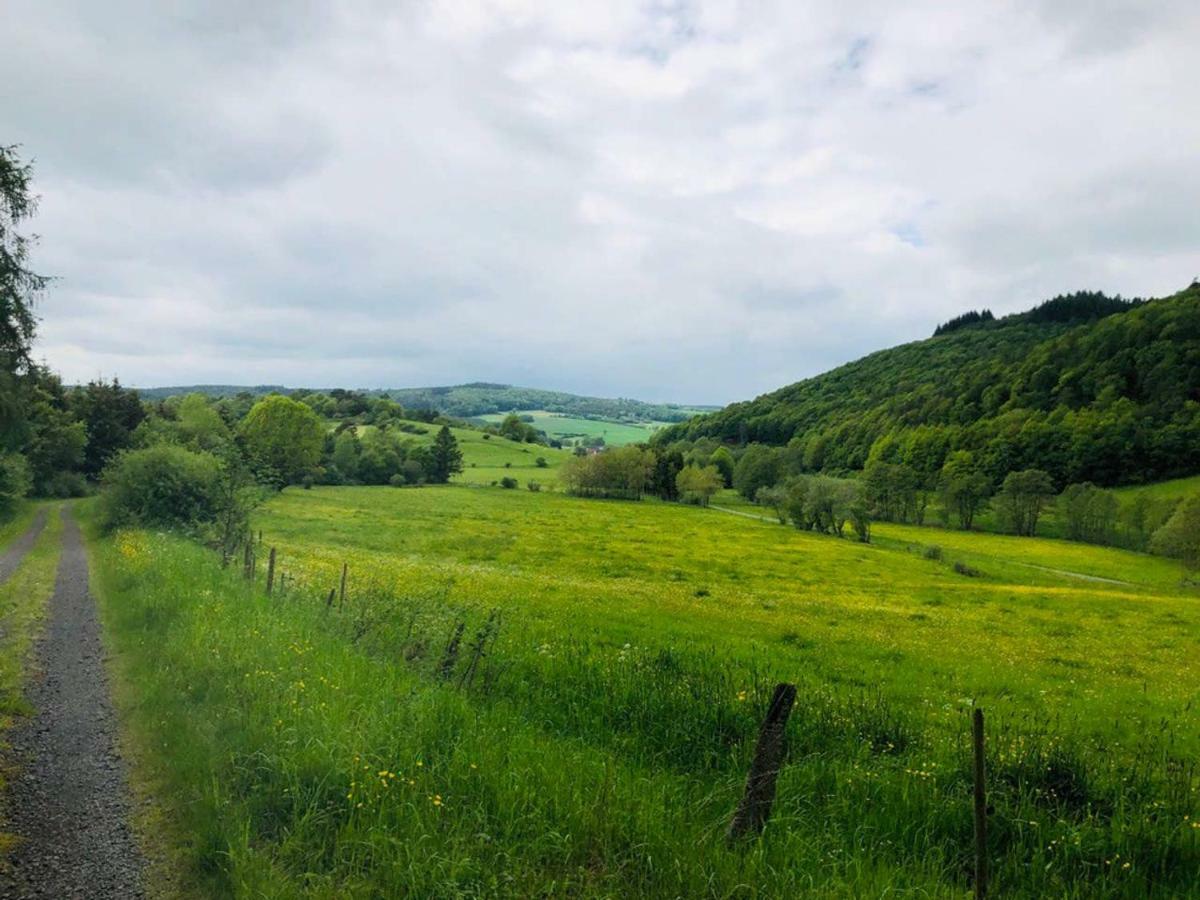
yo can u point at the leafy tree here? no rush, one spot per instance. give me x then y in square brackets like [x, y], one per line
[759, 467]
[164, 485]
[283, 435]
[1088, 513]
[725, 463]
[55, 439]
[697, 484]
[345, 456]
[964, 490]
[623, 472]
[446, 458]
[776, 499]
[1021, 499]
[667, 465]
[1180, 536]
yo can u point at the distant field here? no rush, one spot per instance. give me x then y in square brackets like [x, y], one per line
[615, 434]
[488, 458]
[603, 741]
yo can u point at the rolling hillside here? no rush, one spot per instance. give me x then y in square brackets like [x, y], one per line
[1100, 390]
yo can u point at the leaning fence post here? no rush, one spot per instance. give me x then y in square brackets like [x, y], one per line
[271, 572]
[755, 806]
[329, 599]
[342, 590]
[980, 809]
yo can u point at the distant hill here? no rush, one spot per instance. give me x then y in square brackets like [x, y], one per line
[477, 399]
[1085, 386]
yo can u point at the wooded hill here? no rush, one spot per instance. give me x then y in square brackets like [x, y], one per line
[1086, 387]
[466, 401]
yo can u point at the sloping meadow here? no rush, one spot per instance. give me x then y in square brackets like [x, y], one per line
[529, 695]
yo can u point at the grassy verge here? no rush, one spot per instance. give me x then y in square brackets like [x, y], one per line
[306, 751]
[16, 524]
[23, 599]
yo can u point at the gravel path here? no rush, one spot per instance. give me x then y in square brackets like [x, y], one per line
[69, 803]
[11, 558]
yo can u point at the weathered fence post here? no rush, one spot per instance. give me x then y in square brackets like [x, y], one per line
[247, 554]
[329, 599]
[271, 572]
[980, 808]
[342, 590]
[755, 807]
[450, 657]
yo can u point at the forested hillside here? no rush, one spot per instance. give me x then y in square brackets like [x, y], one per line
[1084, 387]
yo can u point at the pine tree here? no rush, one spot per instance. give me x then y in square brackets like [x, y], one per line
[446, 458]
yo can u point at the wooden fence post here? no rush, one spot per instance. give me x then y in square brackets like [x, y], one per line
[342, 590]
[248, 552]
[271, 572]
[755, 807]
[329, 599]
[450, 656]
[980, 808]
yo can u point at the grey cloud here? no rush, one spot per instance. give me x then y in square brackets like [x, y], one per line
[694, 201]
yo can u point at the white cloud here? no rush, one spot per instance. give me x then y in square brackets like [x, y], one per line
[674, 200]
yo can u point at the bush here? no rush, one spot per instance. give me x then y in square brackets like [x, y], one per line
[933, 551]
[540, 462]
[534, 486]
[398, 480]
[508, 482]
[163, 485]
[15, 481]
[963, 569]
[62, 485]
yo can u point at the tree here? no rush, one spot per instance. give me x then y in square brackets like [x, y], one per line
[446, 458]
[110, 413]
[776, 498]
[1021, 499]
[758, 467]
[346, 452]
[667, 465]
[1088, 513]
[697, 484]
[964, 489]
[18, 285]
[283, 435]
[725, 463]
[1180, 536]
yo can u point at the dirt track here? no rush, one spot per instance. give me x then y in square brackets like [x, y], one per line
[68, 803]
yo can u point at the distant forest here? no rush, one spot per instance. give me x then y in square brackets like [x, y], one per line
[465, 401]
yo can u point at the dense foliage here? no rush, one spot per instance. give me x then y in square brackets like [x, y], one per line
[1113, 400]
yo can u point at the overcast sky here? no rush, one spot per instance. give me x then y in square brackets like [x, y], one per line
[670, 200]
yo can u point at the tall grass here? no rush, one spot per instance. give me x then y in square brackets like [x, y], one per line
[313, 751]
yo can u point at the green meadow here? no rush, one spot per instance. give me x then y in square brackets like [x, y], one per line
[489, 457]
[592, 733]
[570, 428]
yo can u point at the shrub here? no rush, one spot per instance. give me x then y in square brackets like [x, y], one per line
[397, 480]
[534, 486]
[163, 485]
[540, 462]
[65, 484]
[15, 481]
[508, 465]
[933, 551]
[508, 482]
[963, 569]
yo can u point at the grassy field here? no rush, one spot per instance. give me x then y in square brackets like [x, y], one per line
[569, 428]
[600, 742]
[488, 458]
[23, 599]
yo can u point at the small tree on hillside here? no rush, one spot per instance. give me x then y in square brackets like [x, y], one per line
[283, 435]
[1022, 498]
[1180, 536]
[697, 484]
[445, 458]
[964, 489]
